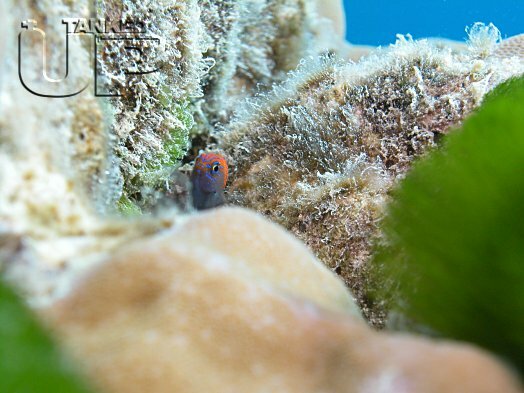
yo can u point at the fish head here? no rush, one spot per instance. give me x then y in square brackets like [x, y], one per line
[210, 173]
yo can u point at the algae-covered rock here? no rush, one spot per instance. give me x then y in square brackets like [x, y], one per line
[70, 165]
[58, 170]
[321, 151]
[452, 257]
[252, 44]
[228, 301]
[152, 114]
[152, 78]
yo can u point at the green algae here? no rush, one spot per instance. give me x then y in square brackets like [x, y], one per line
[159, 167]
[29, 361]
[177, 143]
[453, 259]
[127, 208]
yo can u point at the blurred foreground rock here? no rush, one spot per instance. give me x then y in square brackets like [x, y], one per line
[229, 302]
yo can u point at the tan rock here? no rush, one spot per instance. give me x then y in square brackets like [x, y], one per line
[511, 47]
[228, 302]
[334, 10]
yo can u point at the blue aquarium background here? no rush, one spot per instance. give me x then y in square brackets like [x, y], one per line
[377, 22]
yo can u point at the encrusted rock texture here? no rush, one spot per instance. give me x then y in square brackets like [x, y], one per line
[70, 166]
[320, 152]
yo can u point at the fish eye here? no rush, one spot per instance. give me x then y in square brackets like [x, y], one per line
[215, 167]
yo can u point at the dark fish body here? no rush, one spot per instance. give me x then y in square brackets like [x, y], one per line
[202, 200]
[209, 179]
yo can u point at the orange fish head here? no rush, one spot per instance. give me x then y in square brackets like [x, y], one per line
[210, 173]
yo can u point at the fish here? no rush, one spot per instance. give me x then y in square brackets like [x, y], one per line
[209, 178]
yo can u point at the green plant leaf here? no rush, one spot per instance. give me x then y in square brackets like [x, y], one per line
[29, 360]
[453, 258]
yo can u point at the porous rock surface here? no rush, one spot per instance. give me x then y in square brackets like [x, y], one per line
[229, 302]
